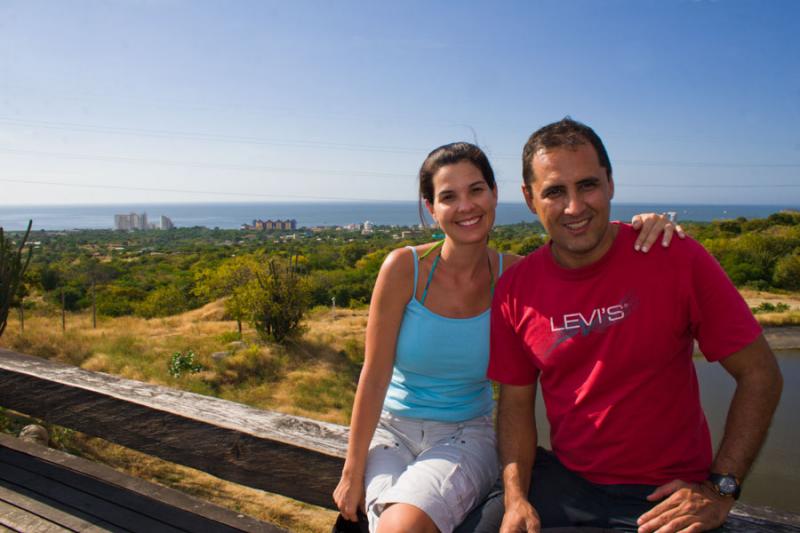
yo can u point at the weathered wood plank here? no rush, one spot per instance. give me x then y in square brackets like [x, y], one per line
[289, 455]
[103, 496]
[90, 505]
[746, 518]
[48, 510]
[21, 520]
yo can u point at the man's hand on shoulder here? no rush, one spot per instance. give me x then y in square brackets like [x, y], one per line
[687, 507]
[520, 516]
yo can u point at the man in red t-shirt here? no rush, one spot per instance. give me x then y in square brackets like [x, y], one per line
[609, 333]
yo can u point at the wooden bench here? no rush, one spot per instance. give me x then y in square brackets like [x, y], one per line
[289, 455]
[42, 489]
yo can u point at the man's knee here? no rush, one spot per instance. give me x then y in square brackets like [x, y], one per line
[487, 516]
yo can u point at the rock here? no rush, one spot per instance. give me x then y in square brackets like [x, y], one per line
[237, 345]
[35, 433]
[219, 356]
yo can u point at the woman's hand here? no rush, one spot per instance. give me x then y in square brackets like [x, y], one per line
[349, 497]
[651, 225]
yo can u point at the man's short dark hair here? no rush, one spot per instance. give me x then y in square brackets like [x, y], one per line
[566, 133]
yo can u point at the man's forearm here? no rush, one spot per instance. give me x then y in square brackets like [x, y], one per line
[758, 391]
[517, 469]
[517, 438]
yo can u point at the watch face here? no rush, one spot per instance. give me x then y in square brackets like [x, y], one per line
[727, 485]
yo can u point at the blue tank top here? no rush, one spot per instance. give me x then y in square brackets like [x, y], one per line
[440, 364]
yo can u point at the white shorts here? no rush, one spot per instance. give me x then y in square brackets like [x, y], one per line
[443, 468]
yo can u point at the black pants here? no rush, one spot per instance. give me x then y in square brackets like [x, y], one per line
[564, 499]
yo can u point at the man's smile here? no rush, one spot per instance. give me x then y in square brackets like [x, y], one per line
[578, 225]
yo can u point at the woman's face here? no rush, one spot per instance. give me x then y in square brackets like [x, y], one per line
[463, 203]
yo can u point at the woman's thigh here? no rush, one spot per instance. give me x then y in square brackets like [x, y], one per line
[450, 475]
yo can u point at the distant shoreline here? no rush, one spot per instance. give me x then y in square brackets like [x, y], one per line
[311, 214]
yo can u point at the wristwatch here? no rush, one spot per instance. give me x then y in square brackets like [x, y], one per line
[725, 484]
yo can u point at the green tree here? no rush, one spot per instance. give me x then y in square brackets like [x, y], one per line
[230, 281]
[528, 245]
[12, 272]
[163, 301]
[787, 272]
[278, 299]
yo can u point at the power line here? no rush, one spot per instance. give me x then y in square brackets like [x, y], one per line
[655, 163]
[250, 194]
[187, 191]
[191, 164]
[92, 97]
[299, 143]
[292, 170]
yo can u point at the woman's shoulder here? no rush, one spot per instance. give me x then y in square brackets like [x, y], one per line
[508, 259]
[402, 262]
[398, 261]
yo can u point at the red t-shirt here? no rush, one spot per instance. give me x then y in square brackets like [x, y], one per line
[612, 346]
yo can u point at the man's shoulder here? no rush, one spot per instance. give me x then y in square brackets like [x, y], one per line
[525, 271]
[678, 250]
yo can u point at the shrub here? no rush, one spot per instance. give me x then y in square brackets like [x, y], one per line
[278, 301]
[181, 363]
[767, 307]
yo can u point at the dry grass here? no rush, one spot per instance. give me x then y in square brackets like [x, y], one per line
[313, 376]
[755, 298]
[787, 318]
[276, 509]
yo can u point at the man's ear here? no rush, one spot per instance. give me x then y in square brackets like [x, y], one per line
[527, 192]
[611, 186]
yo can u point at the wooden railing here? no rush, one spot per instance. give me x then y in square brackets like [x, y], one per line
[289, 455]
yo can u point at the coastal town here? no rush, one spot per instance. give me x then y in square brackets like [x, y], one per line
[139, 222]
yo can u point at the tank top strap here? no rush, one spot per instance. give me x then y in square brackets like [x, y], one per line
[499, 271]
[416, 270]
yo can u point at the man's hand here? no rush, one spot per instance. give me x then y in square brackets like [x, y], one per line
[688, 507]
[520, 516]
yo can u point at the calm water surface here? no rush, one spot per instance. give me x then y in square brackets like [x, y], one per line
[775, 478]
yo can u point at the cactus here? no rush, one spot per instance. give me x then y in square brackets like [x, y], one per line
[12, 270]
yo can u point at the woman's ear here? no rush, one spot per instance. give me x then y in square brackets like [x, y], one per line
[429, 207]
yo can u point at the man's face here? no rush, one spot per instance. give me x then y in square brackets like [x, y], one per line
[571, 194]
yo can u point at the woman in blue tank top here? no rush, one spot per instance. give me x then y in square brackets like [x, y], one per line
[421, 451]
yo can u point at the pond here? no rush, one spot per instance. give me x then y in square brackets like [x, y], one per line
[775, 477]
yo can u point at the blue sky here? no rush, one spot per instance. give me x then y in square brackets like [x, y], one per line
[118, 101]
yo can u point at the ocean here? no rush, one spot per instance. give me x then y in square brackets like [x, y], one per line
[233, 215]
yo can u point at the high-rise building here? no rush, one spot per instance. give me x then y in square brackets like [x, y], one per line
[133, 221]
